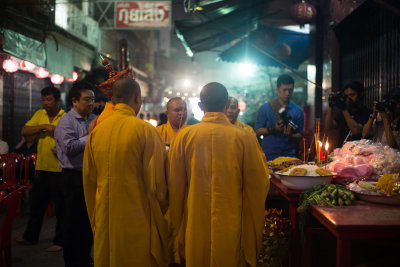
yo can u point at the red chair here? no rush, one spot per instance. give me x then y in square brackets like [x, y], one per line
[12, 166]
[9, 206]
[28, 160]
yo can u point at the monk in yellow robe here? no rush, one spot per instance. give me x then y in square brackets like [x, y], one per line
[232, 112]
[125, 185]
[177, 115]
[217, 188]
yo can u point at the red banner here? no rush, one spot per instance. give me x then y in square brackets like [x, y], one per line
[143, 14]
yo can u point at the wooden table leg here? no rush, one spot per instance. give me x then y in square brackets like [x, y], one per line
[307, 249]
[295, 251]
[343, 252]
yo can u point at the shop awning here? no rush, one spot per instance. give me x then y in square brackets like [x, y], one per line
[288, 47]
[210, 29]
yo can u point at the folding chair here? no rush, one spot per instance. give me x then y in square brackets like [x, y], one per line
[8, 207]
[12, 166]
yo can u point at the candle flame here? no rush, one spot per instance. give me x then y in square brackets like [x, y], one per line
[319, 143]
[326, 146]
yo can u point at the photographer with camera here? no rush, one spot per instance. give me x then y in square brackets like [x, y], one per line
[351, 114]
[281, 122]
[384, 123]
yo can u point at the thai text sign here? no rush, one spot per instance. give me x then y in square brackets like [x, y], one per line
[142, 14]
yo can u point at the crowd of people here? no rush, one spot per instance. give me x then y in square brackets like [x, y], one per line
[177, 193]
[116, 188]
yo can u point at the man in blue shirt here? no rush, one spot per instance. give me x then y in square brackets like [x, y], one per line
[71, 135]
[281, 122]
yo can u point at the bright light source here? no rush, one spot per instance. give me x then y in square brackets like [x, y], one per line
[178, 94]
[186, 83]
[170, 92]
[41, 73]
[74, 77]
[27, 66]
[246, 69]
[186, 94]
[197, 112]
[10, 65]
[193, 94]
[153, 122]
[56, 79]
[242, 105]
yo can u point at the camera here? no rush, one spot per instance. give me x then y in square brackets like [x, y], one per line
[287, 120]
[338, 99]
[384, 105]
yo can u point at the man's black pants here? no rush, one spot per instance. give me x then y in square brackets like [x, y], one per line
[78, 237]
[47, 186]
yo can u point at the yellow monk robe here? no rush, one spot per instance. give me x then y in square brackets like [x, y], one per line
[217, 188]
[167, 132]
[246, 127]
[126, 192]
[251, 130]
[107, 111]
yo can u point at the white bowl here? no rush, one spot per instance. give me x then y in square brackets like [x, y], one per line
[303, 182]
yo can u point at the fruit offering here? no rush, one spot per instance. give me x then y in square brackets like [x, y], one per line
[323, 172]
[298, 172]
[389, 184]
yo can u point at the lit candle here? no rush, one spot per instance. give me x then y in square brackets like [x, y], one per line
[326, 153]
[320, 152]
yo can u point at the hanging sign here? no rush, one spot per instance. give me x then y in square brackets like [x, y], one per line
[143, 15]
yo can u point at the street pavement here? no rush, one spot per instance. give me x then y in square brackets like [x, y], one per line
[35, 255]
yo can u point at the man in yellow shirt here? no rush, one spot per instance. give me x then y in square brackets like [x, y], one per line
[48, 185]
[177, 115]
[125, 186]
[217, 188]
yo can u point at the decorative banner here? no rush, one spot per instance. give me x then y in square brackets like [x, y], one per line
[143, 15]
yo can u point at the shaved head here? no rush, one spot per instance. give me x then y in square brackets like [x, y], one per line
[127, 91]
[174, 99]
[124, 89]
[232, 110]
[233, 101]
[176, 112]
[213, 97]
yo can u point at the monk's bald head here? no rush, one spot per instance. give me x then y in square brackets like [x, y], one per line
[124, 89]
[213, 97]
[233, 101]
[174, 100]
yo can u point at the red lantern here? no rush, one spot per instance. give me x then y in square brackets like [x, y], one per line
[56, 79]
[74, 77]
[41, 73]
[27, 66]
[242, 105]
[303, 12]
[10, 65]
[282, 50]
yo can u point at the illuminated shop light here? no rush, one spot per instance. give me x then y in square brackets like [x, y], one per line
[27, 66]
[56, 79]
[74, 77]
[10, 65]
[41, 73]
